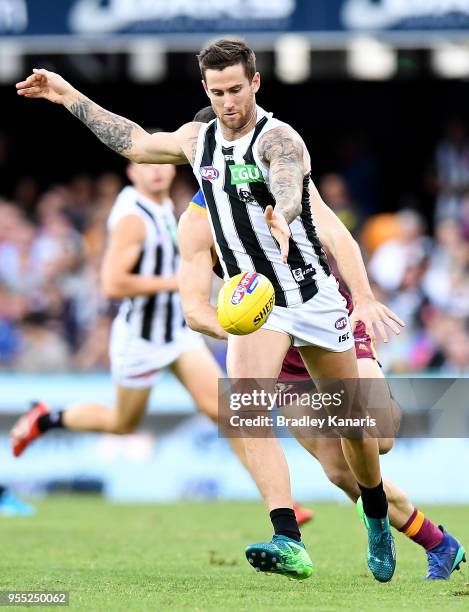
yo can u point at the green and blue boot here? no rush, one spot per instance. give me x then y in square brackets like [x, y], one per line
[381, 555]
[281, 555]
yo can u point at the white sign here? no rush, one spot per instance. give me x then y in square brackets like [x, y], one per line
[365, 14]
[90, 16]
[13, 16]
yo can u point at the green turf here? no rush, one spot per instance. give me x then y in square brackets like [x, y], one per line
[189, 556]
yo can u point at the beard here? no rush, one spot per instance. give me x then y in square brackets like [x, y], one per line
[238, 122]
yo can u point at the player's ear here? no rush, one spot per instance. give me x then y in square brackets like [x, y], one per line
[130, 171]
[205, 88]
[256, 82]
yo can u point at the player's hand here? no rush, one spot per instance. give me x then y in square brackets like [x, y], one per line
[280, 230]
[374, 314]
[45, 84]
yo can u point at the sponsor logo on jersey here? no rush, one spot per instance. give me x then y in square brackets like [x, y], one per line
[298, 274]
[247, 284]
[344, 337]
[209, 173]
[362, 346]
[341, 323]
[245, 173]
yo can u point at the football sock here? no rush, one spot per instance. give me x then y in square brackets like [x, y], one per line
[422, 531]
[375, 504]
[284, 523]
[52, 420]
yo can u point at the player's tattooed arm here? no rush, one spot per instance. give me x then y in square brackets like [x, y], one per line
[283, 151]
[126, 137]
[118, 133]
[114, 131]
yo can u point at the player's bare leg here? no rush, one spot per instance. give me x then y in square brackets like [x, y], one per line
[204, 391]
[362, 457]
[443, 551]
[123, 419]
[87, 416]
[198, 372]
[260, 355]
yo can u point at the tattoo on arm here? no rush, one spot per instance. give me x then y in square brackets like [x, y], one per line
[193, 147]
[113, 130]
[283, 151]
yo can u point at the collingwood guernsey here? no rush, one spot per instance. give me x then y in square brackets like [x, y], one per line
[235, 183]
[157, 318]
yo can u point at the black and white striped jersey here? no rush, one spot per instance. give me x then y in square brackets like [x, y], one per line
[157, 318]
[235, 183]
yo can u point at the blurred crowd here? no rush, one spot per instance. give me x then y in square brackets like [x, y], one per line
[54, 318]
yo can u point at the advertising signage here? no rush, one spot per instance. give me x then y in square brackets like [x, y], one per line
[84, 18]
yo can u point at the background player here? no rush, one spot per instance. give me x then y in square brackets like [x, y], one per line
[277, 242]
[149, 333]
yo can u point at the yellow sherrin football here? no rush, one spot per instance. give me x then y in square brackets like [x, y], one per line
[245, 302]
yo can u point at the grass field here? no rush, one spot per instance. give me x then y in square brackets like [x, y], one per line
[189, 556]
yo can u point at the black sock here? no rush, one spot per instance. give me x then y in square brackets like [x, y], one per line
[284, 522]
[52, 420]
[375, 504]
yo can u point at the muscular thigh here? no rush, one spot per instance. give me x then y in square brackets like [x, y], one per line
[257, 355]
[199, 372]
[329, 365]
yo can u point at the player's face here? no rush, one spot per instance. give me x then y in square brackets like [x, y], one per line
[152, 179]
[232, 95]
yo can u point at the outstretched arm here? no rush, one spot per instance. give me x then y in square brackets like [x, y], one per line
[118, 133]
[283, 151]
[195, 274]
[335, 236]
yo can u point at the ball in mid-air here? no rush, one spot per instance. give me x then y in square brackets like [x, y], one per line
[245, 302]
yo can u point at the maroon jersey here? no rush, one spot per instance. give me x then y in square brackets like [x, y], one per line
[293, 366]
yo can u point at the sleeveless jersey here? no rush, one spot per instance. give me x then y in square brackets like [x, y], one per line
[157, 317]
[235, 183]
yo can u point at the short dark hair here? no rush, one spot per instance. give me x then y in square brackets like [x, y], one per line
[205, 115]
[223, 53]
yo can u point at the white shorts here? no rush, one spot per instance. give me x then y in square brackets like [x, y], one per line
[321, 321]
[136, 363]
